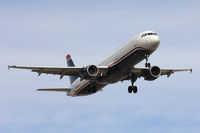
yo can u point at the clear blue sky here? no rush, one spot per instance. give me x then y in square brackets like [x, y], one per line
[43, 32]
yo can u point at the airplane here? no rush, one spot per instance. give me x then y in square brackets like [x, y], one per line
[119, 66]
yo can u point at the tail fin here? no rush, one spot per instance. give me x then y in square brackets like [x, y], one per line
[70, 63]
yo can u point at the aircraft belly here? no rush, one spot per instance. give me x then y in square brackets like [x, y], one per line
[88, 90]
[131, 61]
[119, 71]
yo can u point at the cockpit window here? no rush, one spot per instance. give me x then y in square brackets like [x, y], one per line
[145, 34]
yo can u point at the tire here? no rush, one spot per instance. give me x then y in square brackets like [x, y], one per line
[149, 65]
[146, 64]
[130, 89]
[135, 89]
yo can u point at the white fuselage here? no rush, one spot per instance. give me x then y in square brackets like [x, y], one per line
[121, 60]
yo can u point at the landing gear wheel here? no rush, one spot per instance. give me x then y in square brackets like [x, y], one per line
[135, 89]
[130, 89]
[147, 65]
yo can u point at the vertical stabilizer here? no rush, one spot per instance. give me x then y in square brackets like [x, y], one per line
[71, 64]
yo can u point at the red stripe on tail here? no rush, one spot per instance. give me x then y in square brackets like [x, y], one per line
[68, 57]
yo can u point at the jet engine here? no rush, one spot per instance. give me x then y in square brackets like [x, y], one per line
[153, 73]
[92, 70]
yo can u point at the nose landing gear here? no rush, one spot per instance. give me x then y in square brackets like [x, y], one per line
[147, 58]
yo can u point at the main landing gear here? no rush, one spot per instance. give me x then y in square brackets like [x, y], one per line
[147, 58]
[132, 88]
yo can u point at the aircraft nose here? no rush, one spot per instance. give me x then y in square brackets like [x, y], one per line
[154, 43]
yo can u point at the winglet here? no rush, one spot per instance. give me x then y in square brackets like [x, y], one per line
[190, 70]
[9, 67]
[14, 66]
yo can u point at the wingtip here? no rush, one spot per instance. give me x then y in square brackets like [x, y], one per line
[9, 67]
[38, 89]
[13, 66]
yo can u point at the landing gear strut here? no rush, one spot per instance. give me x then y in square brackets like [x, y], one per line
[147, 58]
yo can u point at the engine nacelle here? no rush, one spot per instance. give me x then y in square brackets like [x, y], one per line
[92, 70]
[153, 73]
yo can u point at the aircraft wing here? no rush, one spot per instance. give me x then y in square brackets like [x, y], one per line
[168, 72]
[56, 89]
[62, 71]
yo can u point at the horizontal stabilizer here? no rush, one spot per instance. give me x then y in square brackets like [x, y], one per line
[56, 89]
